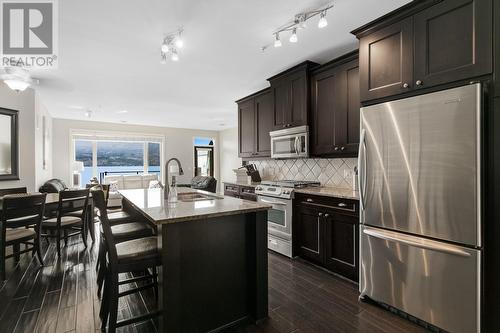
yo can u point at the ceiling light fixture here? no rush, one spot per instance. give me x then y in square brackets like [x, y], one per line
[17, 78]
[293, 37]
[322, 20]
[172, 42]
[277, 41]
[299, 22]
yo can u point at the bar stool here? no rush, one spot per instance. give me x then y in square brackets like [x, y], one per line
[71, 216]
[20, 223]
[129, 256]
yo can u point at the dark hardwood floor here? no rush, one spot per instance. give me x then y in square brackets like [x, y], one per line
[61, 297]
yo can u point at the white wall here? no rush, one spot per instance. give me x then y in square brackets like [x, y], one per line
[178, 143]
[42, 174]
[229, 160]
[24, 102]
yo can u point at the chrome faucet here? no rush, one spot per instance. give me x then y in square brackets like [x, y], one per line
[181, 172]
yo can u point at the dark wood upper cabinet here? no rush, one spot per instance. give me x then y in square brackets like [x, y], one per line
[246, 128]
[386, 61]
[424, 44]
[453, 41]
[335, 108]
[264, 123]
[255, 121]
[290, 93]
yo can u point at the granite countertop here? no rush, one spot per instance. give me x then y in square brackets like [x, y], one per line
[153, 205]
[326, 191]
[242, 183]
[334, 192]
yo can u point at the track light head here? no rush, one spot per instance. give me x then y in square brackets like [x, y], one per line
[164, 47]
[322, 20]
[293, 37]
[175, 56]
[277, 41]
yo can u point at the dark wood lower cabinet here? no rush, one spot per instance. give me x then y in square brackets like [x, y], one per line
[341, 245]
[240, 191]
[309, 229]
[326, 233]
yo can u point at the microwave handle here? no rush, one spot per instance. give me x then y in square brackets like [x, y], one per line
[296, 145]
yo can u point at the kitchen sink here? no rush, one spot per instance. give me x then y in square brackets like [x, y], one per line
[194, 196]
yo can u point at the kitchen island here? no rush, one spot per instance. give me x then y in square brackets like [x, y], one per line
[214, 258]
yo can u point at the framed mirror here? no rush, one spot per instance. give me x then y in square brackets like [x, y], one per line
[9, 155]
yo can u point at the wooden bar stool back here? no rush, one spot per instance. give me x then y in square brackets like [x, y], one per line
[124, 257]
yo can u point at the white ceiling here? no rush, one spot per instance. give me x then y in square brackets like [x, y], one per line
[109, 56]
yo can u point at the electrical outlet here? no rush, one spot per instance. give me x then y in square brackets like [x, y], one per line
[347, 173]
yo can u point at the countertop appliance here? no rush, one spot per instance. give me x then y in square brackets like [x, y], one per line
[290, 142]
[420, 199]
[279, 194]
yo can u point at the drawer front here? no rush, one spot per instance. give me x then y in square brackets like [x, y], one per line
[230, 188]
[247, 190]
[279, 245]
[338, 205]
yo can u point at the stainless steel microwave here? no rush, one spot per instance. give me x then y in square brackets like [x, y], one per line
[290, 142]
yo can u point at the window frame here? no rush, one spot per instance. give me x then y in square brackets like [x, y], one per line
[110, 136]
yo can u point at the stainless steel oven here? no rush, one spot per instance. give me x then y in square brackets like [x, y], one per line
[279, 225]
[290, 142]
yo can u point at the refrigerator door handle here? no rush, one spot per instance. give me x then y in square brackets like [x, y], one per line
[362, 169]
[415, 241]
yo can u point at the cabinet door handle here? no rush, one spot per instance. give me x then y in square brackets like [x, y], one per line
[342, 148]
[327, 215]
[341, 204]
[419, 83]
[336, 148]
[320, 214]
[405, 85]
[309, 200]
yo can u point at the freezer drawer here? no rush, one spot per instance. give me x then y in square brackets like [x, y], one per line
[434, 281]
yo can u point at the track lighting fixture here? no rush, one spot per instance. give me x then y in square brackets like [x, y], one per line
[277, 41]
[299, 22]
[322, 20]
[293, 37]
[172, 42]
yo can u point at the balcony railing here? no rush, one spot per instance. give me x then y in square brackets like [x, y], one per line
[123, 172]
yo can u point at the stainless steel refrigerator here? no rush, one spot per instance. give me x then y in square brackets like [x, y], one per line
[420, 198]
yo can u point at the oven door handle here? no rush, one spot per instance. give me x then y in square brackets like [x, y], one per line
[273, 203]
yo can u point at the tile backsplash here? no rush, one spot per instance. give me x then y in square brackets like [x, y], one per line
[334, 172]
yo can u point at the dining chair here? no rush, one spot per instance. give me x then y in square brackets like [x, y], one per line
[68, 224]
[20, 223]
[14, 190]
[125, 257]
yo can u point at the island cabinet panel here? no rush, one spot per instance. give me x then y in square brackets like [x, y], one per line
[326, 233]
[240, 191]
[335, 109]
[453, 41]
[386, 61]
[291, 97]
[425, 44]
[246, 127]
[255, 119]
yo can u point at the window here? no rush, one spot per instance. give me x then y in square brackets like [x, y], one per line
[203, 157]
[104, 155]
